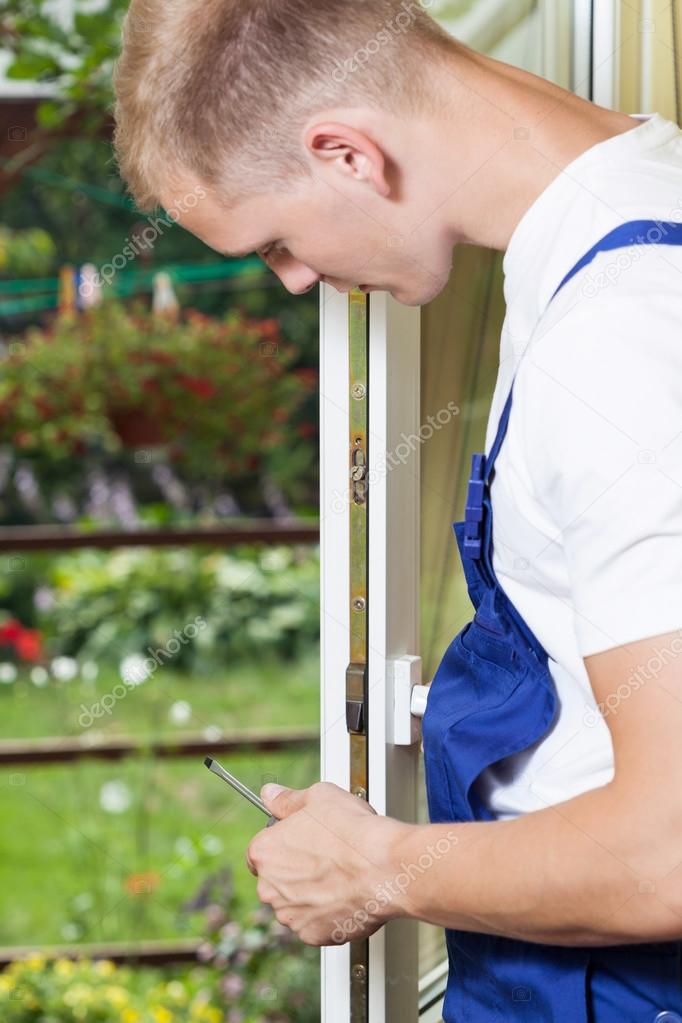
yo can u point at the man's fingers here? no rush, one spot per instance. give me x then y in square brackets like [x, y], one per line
[283, 802]
[249, 862]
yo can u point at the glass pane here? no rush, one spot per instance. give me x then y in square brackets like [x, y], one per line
[460, 349]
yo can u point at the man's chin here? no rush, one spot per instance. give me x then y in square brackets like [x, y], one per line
[414, 298]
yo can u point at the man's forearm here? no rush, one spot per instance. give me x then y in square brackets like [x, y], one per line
[573, 874]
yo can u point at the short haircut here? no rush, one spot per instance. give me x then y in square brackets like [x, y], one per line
[222, 88]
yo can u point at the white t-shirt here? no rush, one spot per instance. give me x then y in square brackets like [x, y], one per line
[587, 490]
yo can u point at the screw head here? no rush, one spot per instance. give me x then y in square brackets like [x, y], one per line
[359, 604]
[358, 391]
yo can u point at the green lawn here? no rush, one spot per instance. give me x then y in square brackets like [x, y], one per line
[247, 696]
[75, 836]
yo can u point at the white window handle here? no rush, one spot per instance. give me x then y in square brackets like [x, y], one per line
[409, 699]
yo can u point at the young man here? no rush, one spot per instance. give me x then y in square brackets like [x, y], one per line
[315, 134]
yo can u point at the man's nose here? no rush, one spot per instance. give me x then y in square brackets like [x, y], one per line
[297, 277]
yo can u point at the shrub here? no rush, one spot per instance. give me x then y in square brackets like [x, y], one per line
[223, 393]
[82, 991]
[255, 601]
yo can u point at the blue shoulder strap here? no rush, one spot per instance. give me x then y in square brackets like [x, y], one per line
[634, 232]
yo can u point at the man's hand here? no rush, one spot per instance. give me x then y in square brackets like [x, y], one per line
[325, 865]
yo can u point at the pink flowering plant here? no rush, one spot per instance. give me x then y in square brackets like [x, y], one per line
[265, 974]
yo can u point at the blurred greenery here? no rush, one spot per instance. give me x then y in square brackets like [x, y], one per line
[228, 699]
[98, 851]
[64, 991]
[31, 251]
[68, 864]
[253, 601]
[74, 835]
[75, 55]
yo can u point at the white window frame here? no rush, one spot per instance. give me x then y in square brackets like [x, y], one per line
[393, 587]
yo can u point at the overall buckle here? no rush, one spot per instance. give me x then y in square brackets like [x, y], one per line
[473, 514]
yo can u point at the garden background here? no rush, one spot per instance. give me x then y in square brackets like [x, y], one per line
[148, 430]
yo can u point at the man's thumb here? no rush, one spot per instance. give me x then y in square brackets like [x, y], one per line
[281, 801]
[271, 790]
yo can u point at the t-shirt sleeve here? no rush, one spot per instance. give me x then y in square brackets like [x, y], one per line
[603, 407]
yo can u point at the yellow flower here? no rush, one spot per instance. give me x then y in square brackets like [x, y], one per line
[213, 1015]
[6, 982]
[162, 1015]
[130, 1016]
[117, 995]
[64, 967]
[206, 1013]
[176, 991]
[77, 995]
[105, 967]
[35, 962]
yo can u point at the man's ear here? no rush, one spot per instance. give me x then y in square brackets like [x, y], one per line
[348, 152]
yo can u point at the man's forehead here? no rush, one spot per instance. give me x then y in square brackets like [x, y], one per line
[235, 231]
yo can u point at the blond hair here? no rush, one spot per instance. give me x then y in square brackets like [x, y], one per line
[221, 88]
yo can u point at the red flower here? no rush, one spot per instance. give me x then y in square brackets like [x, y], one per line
[44, 406]
[9, 630]
[199, 386]
[268, 328]
[29, 645]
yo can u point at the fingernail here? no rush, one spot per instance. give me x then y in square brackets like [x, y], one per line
[271, 790]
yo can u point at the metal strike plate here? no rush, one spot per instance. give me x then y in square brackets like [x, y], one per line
[409, 699]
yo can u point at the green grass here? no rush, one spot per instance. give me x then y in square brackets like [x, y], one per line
[271, 693]
[66, 862]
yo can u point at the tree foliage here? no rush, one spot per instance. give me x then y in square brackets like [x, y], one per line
[74, 53]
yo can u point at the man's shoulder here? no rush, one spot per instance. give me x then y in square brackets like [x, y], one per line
[625, 306]
[614, 357]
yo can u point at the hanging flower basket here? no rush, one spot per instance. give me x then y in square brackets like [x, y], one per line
[221, 394]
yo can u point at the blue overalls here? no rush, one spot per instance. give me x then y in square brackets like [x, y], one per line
[493, 696]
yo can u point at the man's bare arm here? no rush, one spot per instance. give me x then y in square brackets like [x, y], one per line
[602, 868]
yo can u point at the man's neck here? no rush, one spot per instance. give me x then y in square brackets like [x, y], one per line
[512, 134]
